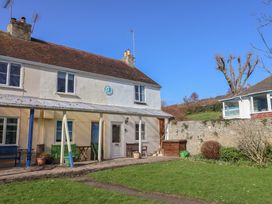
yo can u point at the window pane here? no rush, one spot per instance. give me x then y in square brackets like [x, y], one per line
[115, 133]
[11, 131]
[61, 81]
[260, 103]
[137, 131]
[1, 130]
[142, 94]
[136, 93]
[70, 83]
[3, 72]
[232, 108]
[14, 77]
[58, 130]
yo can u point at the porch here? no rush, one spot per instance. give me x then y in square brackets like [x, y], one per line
[109, 119]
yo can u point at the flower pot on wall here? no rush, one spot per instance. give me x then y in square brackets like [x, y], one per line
[41, 161]
[136, 155]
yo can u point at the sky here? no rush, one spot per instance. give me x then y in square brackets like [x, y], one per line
[175, 40]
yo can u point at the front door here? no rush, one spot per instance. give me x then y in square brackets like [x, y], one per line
[94, 140]
[116, 146]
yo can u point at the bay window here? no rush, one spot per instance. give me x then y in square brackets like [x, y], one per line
[260, 103]
[8, 131]
[231, 108]
[66, 82]
[10, 74]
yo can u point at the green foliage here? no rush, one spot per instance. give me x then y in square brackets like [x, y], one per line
[230, 154]
[204, 116]
[55, 152]
[212, 182]
[269, 153]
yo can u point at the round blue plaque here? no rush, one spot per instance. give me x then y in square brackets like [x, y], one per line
[108, 90]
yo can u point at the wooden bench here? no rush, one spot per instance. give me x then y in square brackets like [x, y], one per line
[134, 147]
[10, 153]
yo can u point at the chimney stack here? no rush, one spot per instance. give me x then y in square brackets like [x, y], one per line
[128, 58]
[19, 28]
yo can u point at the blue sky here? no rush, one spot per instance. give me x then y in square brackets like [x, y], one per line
[176, 40]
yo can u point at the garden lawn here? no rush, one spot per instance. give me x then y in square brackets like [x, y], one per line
[59, 191]
[202, 116]
[197, 179]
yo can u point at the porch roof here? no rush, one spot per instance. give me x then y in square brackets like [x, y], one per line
[49, 104]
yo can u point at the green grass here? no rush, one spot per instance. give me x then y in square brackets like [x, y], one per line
[59, 191]
[196, 179]
[204, 116]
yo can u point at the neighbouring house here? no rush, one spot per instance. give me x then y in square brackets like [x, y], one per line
[107, 102]
[254, 102]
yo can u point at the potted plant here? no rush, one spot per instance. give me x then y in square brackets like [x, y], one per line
[43, 158]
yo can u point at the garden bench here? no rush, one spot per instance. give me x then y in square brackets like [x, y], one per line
[9, 153]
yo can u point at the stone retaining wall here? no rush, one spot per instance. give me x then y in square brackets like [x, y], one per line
[226, 132]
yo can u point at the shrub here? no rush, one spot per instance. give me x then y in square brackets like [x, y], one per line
[210, 149]
[269, 152]
[230, 154]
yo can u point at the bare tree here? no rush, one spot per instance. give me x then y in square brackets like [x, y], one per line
[253, 143]
[236, 78]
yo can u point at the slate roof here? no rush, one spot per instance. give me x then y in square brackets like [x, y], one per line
[264, 85]
[52, 54]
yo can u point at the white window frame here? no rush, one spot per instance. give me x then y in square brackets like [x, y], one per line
[139, 94]
[66, 83]
[267, 100]
[5, 131]
[73, 131]
[8, 75]
[143, 139]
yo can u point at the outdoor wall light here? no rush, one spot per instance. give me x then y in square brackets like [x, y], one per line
[126, 120]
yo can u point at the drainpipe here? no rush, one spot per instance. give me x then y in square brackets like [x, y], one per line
[30, 137]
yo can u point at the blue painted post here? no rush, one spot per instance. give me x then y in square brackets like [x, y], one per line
[30, 135]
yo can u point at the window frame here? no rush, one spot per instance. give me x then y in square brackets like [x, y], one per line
[225, 109]
[5, 130]
[66, 83]
[137, 131]
[268, 97]
[56, 128]
[139, 94]
[8, 75]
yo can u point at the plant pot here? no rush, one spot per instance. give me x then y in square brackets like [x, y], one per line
[41, 161]
[136, 155]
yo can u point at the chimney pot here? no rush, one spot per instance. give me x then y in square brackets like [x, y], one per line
[23, 19]
[128, 58]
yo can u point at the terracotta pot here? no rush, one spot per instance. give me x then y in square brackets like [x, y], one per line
[136, 155]
[41, 161]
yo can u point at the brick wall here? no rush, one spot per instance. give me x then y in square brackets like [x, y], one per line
[261, 115]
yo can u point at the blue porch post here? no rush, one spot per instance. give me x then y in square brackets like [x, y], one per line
[30, 135]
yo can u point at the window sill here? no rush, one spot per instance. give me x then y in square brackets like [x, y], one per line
[67, 94]
[268, 111]
[11, 87]
[140, 103]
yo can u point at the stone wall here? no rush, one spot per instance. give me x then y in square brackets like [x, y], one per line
[226, 132]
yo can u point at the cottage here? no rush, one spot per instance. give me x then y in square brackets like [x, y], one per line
[110, 105]
[254, 102]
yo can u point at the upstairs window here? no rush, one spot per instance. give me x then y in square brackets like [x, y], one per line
[66, 82]
[139, 93]
[58, 130]
[260, 103]
[137, 131]
[8, 131]
[10, 74]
